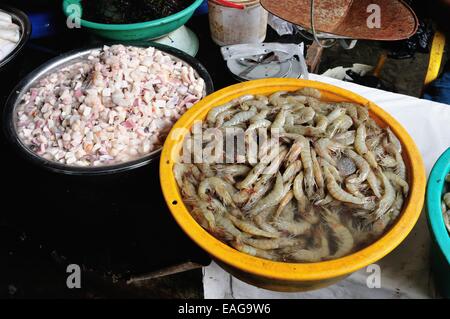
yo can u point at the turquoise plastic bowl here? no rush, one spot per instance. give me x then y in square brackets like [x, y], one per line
[134, 31]
[440, 250]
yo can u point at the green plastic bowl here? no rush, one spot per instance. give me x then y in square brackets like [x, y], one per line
[440, 250]
[134, 31]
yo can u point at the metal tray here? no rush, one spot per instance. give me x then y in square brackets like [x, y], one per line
[61, 62]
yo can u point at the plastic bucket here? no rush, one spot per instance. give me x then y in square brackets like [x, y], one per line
[236, 26]
[282, 276]
[440, 247]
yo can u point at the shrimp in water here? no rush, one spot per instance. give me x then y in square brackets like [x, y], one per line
[304, 115]
[363, 167]
[294, 228]
[361, 147]
[212, 115]
[316, 254]
[252, 251]
[305, 154]
[271, 199]
[388, 197]
[220, 187]
[250, 228]
[343, 236]
[240, 117]
[318, 130]
[337, 192]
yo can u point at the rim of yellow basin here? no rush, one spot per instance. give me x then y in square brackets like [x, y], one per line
[281, 270]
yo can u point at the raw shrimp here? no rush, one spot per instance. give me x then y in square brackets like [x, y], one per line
[388, 197]
[361, 147]
[302, 200]
[240, 117]
[398, 181]
[387, 161]
[242, 196]
[288, 212]
[325, 201]
[212, 115]
[224, 116]
[275, 164]
[179, 170]
[447, 199]
[218, 186]
[309, 92]
[250, 228]
[284, 202]
[400, 168]
[304, 115]
[353, 189]
[188, 191]
[343, 236]
[294, 151]
[294, 228]
[289, 121]
[333, 170]
[337, 192]
[206, 169]
[317, 253]
[324, 146]
[352, 111]
[259, 124]
[279, 121]
[318, 130]
[374, 184]
[393, 140]
[292, 170]
[305, 210]
[277, 243]
[319, 106]
[226, 230]
[335, 114]
[261, 220]
[358, 113]
[324, 171]
[397, 206]
[297, 99]
[232, 170]
[271, 199]
[341, 124]
[346, 138]
[260, 189]
[257, 170]
[204, 211]
[305, 154]
[447, 220]
[249, 250]
[363, 167]
[259, 116]
[276, 99]
[318, 176]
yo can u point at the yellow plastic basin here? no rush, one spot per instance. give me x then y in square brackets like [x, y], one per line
[291, 276]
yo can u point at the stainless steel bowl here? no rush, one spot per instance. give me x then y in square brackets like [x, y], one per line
[10, 114]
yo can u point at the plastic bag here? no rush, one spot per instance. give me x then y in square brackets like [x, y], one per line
[281, 26]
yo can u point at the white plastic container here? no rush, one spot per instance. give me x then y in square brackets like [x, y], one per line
[235, 26]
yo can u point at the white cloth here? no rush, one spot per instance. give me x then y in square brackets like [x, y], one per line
[405, 272]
